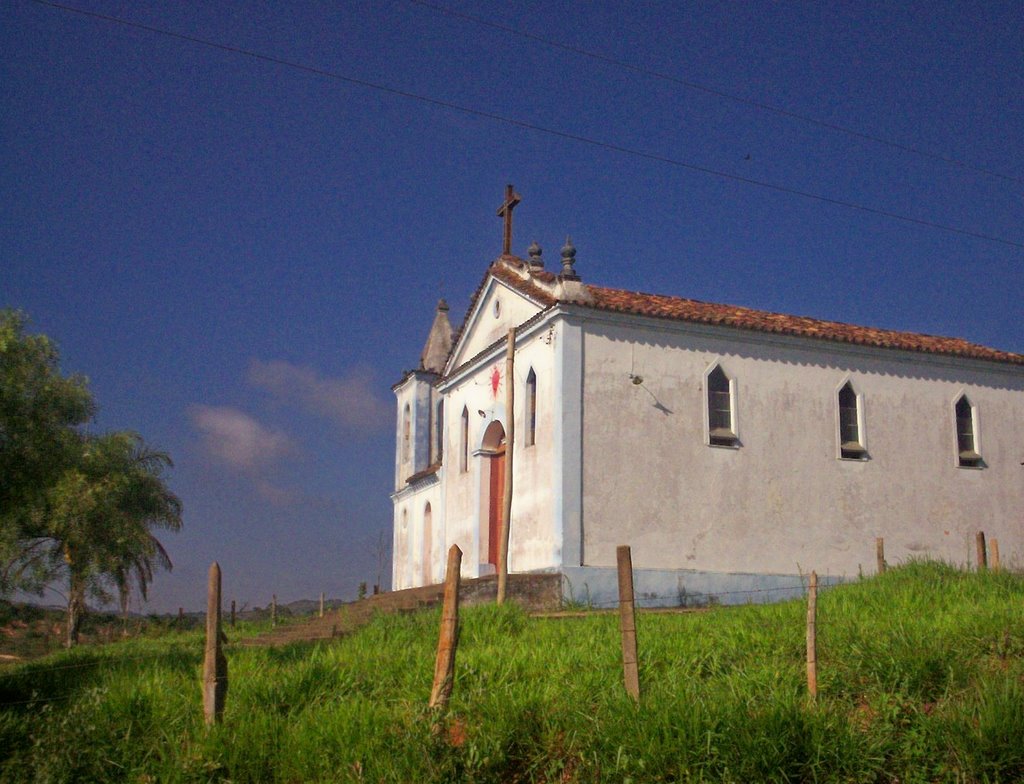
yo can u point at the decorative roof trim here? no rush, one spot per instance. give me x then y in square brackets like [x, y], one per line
[429, 375]
[695, 311]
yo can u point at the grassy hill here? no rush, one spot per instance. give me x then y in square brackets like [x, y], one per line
[921, 677]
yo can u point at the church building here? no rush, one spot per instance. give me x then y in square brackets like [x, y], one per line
[732, 449]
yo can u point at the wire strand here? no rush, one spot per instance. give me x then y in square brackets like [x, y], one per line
[534, 127]
[691, 85]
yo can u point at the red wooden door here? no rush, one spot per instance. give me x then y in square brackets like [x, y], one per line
[496, 507]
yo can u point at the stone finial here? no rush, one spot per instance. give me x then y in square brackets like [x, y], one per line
[536, 262]
[568, 260]
[442, 305]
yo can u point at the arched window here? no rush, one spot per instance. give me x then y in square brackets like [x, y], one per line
[464, 441]
[966, 434]
[531, 408]
[406, 432]
[721, 414]
[851, 443]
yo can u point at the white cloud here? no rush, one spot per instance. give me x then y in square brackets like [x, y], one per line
[349, 402]
[237, 439]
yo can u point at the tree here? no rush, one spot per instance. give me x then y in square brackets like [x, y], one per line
[40, 413]
[136, 569]
[73, 506]
[102, 514]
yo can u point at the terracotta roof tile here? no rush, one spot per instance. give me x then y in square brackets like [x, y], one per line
[680, 309]
[695, 311]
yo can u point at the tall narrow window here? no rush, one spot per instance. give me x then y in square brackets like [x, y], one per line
[430, 435]
[464, 441]
[531, 408]
[439, 454]
[721, 429]
[966, 440]
[406, 431]
[850, 444]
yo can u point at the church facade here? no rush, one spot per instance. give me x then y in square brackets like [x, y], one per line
[733, 449]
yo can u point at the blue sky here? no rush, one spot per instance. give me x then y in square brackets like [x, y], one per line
[243, 256]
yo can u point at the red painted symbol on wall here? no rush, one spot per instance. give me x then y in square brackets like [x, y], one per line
[495, 380]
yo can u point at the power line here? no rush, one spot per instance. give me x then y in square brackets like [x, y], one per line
[697, 86]
[531, 126]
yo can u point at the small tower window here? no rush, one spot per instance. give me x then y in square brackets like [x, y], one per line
[851, 445]
[966, 435]
[406, 432]
[721, 426]
[464, 441]
[439, 450]
[531, 408]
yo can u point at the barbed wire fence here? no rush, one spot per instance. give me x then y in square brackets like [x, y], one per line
[626, 605]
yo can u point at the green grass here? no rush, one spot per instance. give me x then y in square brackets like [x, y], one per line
[921, 675]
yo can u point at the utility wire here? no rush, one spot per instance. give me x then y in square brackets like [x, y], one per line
[531, 126]
[691, 85]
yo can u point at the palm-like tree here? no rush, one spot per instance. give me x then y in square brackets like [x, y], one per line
[136, 571]
[103, 512]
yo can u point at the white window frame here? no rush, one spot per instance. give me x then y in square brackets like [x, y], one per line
[862, 433]
[734, 441]
[976, 432]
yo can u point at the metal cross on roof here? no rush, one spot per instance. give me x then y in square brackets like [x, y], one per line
[505, 211]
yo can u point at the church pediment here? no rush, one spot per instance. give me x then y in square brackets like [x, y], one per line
[497, 308]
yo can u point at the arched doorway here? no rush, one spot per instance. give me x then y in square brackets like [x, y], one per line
[493, 474]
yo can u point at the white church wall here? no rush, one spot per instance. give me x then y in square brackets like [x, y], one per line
[567, 441]
[408, 564]
[460, 475]
[533, 544]
[415, 413]
[782, 501]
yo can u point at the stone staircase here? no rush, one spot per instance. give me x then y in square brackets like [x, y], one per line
[535, 592]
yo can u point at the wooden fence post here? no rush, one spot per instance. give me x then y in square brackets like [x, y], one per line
[510, 440]
[994, 547]
[232, 613]
[215, 665]
[627, 622]
[880, 554]
[448, 641]
[982, 555]
[812, 637]
[273, 609]
[321, 604]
